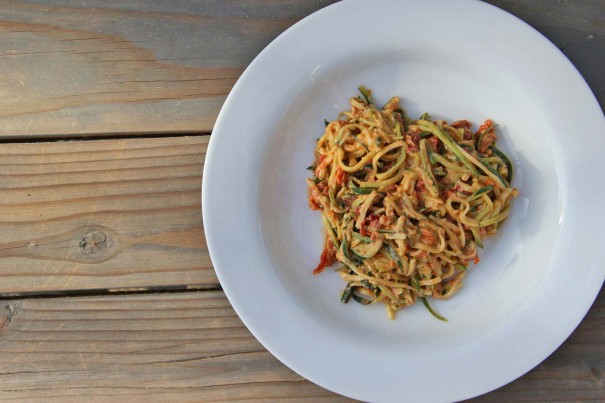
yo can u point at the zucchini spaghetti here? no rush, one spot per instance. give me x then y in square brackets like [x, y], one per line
[406, 203]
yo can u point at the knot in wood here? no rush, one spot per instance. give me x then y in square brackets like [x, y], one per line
[94, 242]
[7, 315]
[596, 374]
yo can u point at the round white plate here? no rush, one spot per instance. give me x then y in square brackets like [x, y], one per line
[455, 59]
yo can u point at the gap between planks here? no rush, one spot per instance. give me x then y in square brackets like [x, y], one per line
[111, 292]
[56, 138]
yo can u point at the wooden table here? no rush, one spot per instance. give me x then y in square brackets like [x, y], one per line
[106, 286]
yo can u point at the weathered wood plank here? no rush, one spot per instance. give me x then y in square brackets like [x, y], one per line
[192, 346]
[575, 372]
[91, 66]
[102, 214]
[169, 347]
[576, 27]
[81, 67]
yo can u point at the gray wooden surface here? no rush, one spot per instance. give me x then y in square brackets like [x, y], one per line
[106, 287]
[576, 27]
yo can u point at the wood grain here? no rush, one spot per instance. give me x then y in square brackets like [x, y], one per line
[193, 347]
[102, 214]
[82, 67]
[576, 27]
[125, 213]
[72, 68]
[171, 347]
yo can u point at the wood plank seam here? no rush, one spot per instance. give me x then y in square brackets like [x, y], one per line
[100, 292]
[59, 138]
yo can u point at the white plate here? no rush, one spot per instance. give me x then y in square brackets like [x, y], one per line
[456, 60]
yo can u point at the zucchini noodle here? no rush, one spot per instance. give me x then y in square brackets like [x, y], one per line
[406, 203]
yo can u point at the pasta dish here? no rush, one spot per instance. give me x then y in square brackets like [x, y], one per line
[406, 202]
